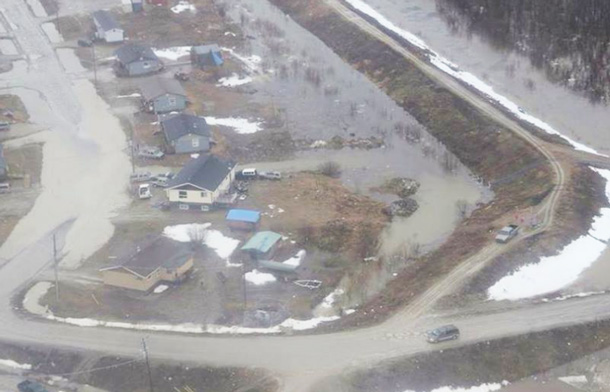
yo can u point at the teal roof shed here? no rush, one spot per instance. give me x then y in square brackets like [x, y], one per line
[262, 242]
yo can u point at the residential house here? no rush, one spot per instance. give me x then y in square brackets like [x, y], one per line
[135, 60]
[240, 219]
[162, 95]
[203, 183]
[159, 260]
[3, 166]
[106, 27]
[206, 56]
[185, 133]
[262, 245]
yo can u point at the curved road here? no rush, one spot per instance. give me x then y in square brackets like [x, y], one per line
[301, 360]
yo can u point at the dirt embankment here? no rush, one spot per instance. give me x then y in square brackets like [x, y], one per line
[508, 359]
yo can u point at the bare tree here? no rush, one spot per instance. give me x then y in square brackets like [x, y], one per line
[330, 169]
[461, 206]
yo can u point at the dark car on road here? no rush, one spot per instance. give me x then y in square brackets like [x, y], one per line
[440, 334]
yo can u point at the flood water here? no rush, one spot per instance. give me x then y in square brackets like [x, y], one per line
[318, 96]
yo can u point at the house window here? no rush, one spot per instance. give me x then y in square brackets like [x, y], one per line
[195, 142]
[205, 208]
[183, 207]
[204, 194]
[182, 195]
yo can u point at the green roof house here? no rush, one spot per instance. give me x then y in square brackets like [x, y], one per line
[262, 245]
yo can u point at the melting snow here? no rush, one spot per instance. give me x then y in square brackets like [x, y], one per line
[259, 278]
[185, 233]
[234, 80]
[252, 63]
[15, 365]
[477, 388]
[240, 125]
[331, 298]
[174, 53]
[214, 239]
[160, 288]
[296, 260]
[556, 272]
[183, 6]
[452, 69]
[134, 95]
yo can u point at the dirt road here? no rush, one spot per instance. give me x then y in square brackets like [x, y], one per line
[301, 360]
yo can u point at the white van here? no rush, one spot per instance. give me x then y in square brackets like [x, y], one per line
[248, 173]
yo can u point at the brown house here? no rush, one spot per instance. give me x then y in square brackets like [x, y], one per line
[162, 260]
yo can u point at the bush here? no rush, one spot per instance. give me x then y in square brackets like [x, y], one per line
[330, 169]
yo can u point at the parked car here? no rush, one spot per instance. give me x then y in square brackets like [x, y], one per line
[5, 126]
[440, 334]
[164, 176]
[247, 174]
[507, 233]
[144, 191]
[139, 176]
[160, 182]
[150, 153]
[182, 76]
[270, 175]
[31, 386]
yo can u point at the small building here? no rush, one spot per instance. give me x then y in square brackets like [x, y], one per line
[203, 183]
[3, 166]
[262, 245]
[161, 260]
[185, 134]
[162, 95]
[206, 56]
[240, 219]
[136, 60]
[137, 5]
[106, 27]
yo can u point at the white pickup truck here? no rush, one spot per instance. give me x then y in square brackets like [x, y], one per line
[507, 233]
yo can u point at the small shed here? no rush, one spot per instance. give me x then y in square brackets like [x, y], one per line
[206, 56]
[137, 5]
[106, 27]
[262, 245]
[162, 95]
[239, 219]
[3, 166]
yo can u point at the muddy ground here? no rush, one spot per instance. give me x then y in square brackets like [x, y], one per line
[509, 359]
[12, 103]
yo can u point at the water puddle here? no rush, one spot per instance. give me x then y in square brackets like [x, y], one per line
[69, 61]
[7, 47]
[50, 30]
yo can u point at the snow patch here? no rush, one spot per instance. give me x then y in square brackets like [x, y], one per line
[239, 125]
[160, 288]
[259, 278]
[233, 81]
[134, 95]
[15, 365]
[556, 272]
[570, 296]
[252, 63]
[186, 232]
[174, 53]
[183, 6]
[296, 259]
[489, 387]
[223, 246]
[452, 69]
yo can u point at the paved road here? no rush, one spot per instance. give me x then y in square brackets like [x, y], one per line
[300, 359]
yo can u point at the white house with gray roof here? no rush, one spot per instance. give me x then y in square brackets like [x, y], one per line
[202, 183]
[185, 133]
[106, 27]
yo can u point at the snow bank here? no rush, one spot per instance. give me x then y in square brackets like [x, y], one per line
[15, 365]
[160, 288]
[223, 246]
[296, 260]
[556, 272]
[134, 95]
[240, 125]
[570, 296]
[233, 81]
[477, 388]
[259, 278]
[174, 53]
[329, 301]
[183, 6]
[452, 69]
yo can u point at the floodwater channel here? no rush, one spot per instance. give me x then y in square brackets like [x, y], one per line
[318, 96]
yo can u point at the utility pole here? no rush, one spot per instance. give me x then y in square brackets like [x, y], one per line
[94, 64]
[56, 273]
[150, 383]
[243, 274]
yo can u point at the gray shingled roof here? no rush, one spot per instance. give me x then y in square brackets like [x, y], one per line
[183, 124]
[135, 52]
[105, 20]
[151, 255]
[205, 172]
[152, 88]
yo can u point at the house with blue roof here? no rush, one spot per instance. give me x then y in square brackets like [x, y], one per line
[240, 219]
[262, 245]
